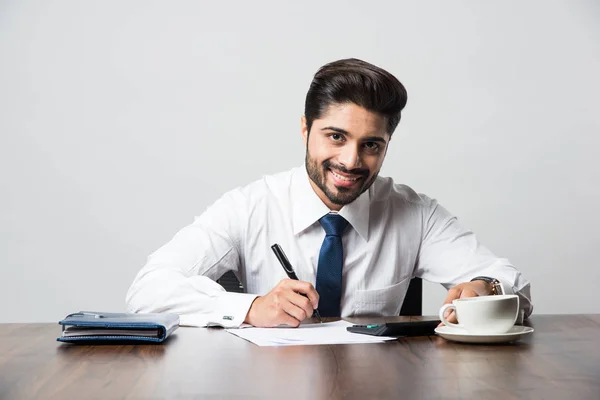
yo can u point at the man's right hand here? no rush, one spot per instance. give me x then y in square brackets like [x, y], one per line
[284, 305]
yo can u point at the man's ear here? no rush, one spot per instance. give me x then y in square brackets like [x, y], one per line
[304, 130]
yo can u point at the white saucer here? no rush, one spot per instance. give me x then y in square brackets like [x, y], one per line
[461, 335]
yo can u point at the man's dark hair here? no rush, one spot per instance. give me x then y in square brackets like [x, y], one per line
[355, 81]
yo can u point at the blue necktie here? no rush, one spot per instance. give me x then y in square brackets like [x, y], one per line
[329, 269]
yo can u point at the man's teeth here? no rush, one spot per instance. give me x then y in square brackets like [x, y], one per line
[343, 178]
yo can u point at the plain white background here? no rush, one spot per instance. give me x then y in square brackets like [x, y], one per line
[120, 121]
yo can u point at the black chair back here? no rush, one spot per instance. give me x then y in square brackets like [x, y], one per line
[230, 282]
[413, 302]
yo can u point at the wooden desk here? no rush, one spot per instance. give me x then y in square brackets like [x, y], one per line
[561, 360]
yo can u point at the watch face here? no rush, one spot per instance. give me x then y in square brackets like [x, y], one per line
[497, 288]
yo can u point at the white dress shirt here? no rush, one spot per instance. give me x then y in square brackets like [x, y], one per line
[394, 235]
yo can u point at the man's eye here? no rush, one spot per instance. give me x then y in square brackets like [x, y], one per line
[336, 137]
[372, 146]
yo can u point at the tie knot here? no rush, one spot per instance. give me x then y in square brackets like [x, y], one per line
[334, 224]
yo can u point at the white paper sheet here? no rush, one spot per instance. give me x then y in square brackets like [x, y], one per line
[309, 334]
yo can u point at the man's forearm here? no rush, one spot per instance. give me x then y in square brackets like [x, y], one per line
[198, 300]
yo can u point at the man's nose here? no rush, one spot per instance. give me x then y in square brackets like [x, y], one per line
[350, 157]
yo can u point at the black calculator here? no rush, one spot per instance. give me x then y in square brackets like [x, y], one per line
[412, 328]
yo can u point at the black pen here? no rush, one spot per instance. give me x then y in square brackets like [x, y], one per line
[285, 263]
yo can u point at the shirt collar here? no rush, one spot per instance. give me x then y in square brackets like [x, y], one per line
[308, 208]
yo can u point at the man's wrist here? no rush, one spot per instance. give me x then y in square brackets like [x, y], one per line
[494, 285]
[248, 316]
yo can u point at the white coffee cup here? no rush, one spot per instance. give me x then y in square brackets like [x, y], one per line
[485, 314]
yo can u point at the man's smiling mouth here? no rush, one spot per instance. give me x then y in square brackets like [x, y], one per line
[342, 179]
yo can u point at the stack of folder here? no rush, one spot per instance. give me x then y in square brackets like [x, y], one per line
[88, 326]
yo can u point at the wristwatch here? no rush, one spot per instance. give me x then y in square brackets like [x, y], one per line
[495, 283]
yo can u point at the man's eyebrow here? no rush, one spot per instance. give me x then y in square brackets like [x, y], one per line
[374, 139]
[345, 132]
[333, 128]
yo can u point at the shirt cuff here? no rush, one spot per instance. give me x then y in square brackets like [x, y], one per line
[508, 289]
[230, 311]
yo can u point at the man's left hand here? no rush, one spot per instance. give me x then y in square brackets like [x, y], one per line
[463, 290]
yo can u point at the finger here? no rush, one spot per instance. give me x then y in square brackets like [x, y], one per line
[453, 294]
[451, 317]
[447, 313]
[305, 288]
[302, 302]
[468, 292]
[297, 313]
[287, 319]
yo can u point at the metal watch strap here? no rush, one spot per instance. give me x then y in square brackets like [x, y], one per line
[495, 283]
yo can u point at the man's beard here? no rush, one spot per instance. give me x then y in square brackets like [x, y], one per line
[344, 195]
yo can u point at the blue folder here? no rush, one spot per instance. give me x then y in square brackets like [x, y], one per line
[89, 326]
